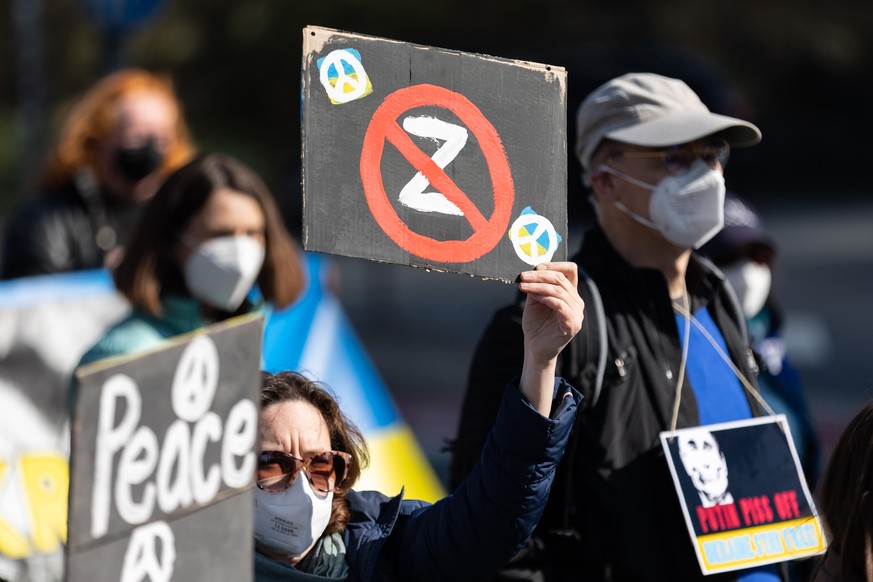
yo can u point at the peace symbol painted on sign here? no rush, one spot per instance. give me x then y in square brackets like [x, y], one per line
[196, 379]
[383, 127]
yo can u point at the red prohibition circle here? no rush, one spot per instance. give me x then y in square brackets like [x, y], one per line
[487, 232]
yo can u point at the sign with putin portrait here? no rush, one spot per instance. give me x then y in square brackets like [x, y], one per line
[163, 460]
[743, 494]
[430, 157]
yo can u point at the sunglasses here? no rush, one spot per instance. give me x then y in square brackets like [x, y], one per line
[277, 470]
[678, 159]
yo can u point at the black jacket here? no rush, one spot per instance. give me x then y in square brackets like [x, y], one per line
[66, 229]
[613, 502]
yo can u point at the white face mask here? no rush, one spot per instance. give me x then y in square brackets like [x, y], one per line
[290, 521]
[751, 281]
[687, 209]
[221, 271]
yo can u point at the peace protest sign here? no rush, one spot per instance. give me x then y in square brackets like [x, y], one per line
[163, 460]
[432, 158]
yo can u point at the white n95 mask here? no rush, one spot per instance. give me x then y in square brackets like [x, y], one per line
[289, 521]
[221, 271]
[687, 209]
[752, 282]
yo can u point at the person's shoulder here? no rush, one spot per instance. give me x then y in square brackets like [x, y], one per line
[135, 333]
[45, 233]
[269, 570]
[47, 214]
[47, 204]
[829, 568]
[374, 505]
[369, 504]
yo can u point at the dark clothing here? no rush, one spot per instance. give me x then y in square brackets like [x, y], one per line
[613, 503]
[472, 532]
[68, 229]
[783, 390]
[829, 570]
[268, 570]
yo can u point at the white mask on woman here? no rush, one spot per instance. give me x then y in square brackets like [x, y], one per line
[687, 209]
[289, 521]
[751, 281]
[221, 271]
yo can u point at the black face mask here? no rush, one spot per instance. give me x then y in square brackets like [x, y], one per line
[138, 162]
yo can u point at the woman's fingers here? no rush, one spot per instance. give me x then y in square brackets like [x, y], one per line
[554, 286]
[568, 268]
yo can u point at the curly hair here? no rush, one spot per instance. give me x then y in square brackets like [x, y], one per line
[344, 436]
[92, 119]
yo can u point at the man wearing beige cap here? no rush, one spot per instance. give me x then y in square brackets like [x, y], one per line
[653, 156]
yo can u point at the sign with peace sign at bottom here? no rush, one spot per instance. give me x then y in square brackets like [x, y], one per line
[163, 460]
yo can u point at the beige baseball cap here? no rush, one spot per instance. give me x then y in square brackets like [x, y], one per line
[651, 110]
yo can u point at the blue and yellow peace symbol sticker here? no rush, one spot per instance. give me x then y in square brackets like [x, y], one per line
[343, 77]
[534, 237]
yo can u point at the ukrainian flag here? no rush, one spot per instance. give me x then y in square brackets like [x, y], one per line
[314, 337]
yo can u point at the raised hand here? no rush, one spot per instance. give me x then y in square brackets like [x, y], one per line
[553, 314]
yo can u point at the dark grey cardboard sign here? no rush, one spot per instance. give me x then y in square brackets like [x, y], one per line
[163, 460]
[430, 157]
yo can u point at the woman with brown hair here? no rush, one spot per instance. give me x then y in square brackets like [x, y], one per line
[845, 498]
[309, 524]
[210, 233]
[117, 144]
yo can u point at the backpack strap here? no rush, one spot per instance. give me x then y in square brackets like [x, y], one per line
[596, 350]
[583, 364]
[586, 355]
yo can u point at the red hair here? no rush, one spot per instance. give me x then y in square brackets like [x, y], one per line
[92, 119]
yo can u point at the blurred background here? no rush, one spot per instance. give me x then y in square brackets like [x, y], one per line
[798, 69]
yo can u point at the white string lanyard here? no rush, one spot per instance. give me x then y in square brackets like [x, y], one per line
[685, 311]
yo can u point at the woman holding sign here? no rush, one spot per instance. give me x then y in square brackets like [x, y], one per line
[318, 528]
[211, 232]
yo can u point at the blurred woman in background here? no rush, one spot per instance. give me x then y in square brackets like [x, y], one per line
[210, 233]
[115, 147]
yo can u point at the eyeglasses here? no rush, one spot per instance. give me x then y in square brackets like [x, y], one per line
[277, 470]
[678, 159]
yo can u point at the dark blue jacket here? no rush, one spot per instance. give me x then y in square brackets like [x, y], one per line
[475, 530]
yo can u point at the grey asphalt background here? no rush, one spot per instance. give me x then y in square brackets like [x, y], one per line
[420, 328]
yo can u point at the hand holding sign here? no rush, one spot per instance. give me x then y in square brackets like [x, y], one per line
[553, 314]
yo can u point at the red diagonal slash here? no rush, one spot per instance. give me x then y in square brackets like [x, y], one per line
[383, 127]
